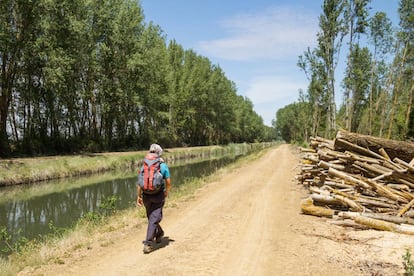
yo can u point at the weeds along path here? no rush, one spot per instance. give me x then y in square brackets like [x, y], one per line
[246, 223]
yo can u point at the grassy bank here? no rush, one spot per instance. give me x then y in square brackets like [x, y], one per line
[95, 232]
[28, 170]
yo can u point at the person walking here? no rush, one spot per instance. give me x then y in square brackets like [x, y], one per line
[152, 197]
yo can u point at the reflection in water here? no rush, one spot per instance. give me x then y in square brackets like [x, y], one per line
[63, 207]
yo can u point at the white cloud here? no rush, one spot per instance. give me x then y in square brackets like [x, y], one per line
[269, 93]
[262, 50]
[264, 89]
[275, 33]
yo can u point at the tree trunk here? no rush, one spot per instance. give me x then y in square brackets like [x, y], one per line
[384, 225]
[409, 107]
[371, 92]
[308, 208]
[401, 149]
[5, 98]
[395, 93]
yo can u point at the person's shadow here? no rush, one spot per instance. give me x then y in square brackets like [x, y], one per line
[165, 241]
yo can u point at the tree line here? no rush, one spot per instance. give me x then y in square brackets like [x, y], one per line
[378, 84]
[85, 75]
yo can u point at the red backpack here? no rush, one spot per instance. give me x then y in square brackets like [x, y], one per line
[150, 178]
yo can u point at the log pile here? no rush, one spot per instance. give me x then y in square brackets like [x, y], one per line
[360, 181]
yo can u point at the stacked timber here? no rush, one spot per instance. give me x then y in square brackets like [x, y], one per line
[360, 181]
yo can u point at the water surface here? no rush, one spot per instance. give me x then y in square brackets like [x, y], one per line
[30, 210]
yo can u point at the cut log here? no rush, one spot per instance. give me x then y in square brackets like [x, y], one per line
[309, 209]
[399, 187]
[328, 153]
[378, 170]
[409, 214]
[405, 164]
[362, 158]
[385, 191]
[401, 149]
[307, 150]
[403, 178]
[319, 191]
[408, 196]
[311, 157]
[406, 208]
[337, 184]
[349, 223]
[323, 155]
[327, 165]
[353, 206]
[321, 142]
[389, 218]
[344, 193]
[384, 225]
[384, 153]
[379, 177]
[371, 202]
[342, 144]
[326, 200]
[348, 178]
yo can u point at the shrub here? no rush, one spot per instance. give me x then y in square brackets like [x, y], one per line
[10, 246]
[408, 263]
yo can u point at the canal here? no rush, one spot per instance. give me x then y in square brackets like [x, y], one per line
[32, 211]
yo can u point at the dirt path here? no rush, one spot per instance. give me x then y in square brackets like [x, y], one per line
[247, 223]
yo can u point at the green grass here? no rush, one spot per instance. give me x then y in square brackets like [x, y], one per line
[408, 263]
[16, 171]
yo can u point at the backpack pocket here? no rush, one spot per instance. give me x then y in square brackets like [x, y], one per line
[158, 181]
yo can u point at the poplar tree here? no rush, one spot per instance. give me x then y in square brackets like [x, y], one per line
[406, 79]
[359, 73]
[380, 35]
[330, 38]
[312, 66]
[355, 17]
[14, 34]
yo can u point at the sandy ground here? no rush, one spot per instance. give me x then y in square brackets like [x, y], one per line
[246, 223]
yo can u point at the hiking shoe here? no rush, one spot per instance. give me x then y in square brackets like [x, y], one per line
[147, 249]
[158, 238]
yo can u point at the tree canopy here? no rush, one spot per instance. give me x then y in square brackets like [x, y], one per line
[378, 84]
[84, 75]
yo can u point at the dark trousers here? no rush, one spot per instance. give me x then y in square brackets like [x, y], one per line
[153, 206]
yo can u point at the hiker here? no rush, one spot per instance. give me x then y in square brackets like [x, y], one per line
[153, 187]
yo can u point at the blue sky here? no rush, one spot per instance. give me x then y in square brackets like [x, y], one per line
[256, 43]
